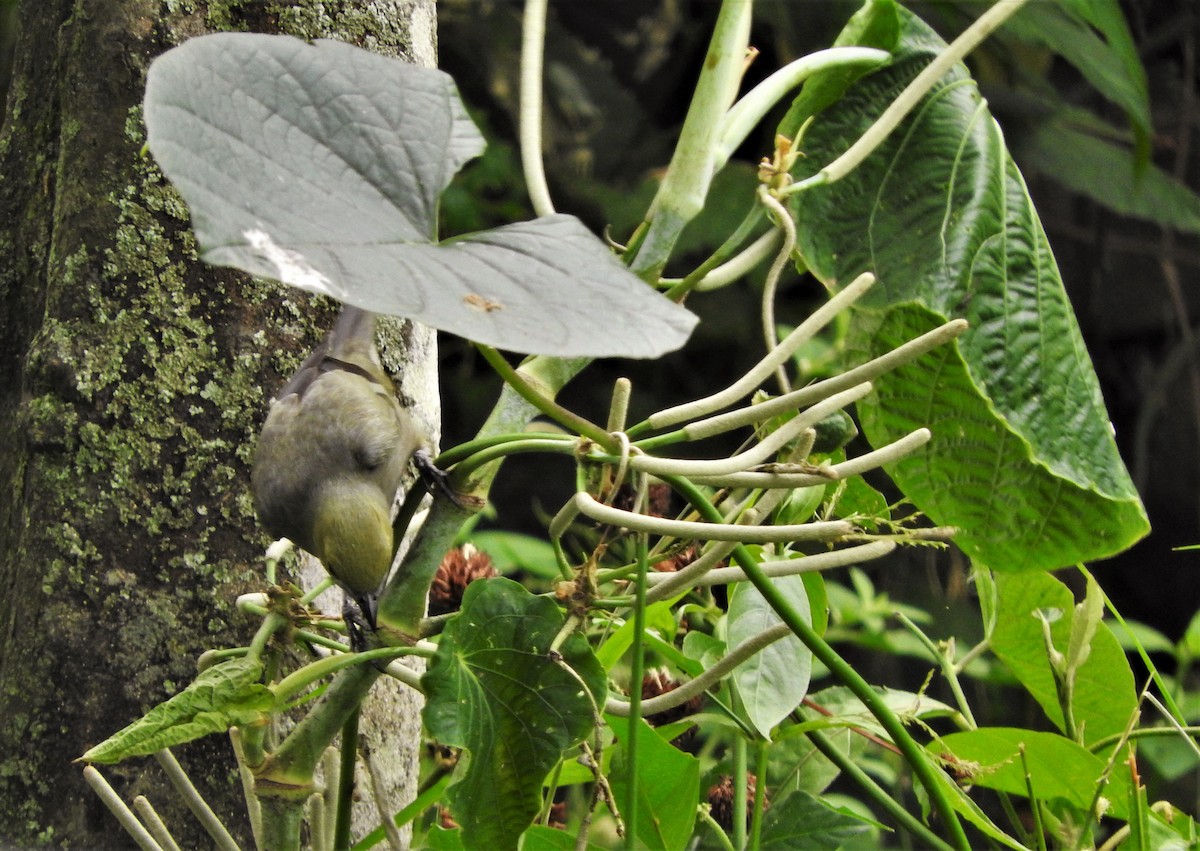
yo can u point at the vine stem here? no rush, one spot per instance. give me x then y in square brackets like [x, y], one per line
[921, 85]
[783, 220]
[527, 391]
[823, 652]
[852, 770]
[533, 40]
[636, 674]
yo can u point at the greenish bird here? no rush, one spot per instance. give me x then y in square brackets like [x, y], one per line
[333, 452]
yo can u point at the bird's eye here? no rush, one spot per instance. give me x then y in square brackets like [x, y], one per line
[370, 456]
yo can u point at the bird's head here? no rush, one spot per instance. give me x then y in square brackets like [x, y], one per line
[352, 533]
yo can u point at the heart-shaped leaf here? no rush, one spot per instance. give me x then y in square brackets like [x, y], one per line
[772, 682]
[494, 689]
[321, 165]
[1022, 459]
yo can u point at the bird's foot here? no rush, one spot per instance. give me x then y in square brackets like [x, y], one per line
[435, 478]
[358, 611]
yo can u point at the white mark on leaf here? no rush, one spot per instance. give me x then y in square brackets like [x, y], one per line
[290, 266]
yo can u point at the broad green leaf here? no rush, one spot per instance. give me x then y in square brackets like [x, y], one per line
[540, 838]
[1176, 833]
[321, 165]
[668, 786]
[226, 695]
[772, 682]
[794, 763]
[1104, 694]
[493, 689]
[512, 551]
[658, 617]
[1058, 769]
[802, 821]
[441, 839]
[1106, 172]
[972, 812]
[1093, 36]
[1022, 459]
[875, 24]
[840, 707]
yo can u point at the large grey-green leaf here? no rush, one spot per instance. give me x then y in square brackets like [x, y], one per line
[1023, 458]
[494, 689]
[321, 165]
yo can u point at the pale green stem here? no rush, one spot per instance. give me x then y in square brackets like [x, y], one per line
[739, 791]
[921, 85]
[882, 797]
[717, 831]
[520, 382]
[684, 188]
[246, 776]
[941, 655]
[118, 808]
[618, 410]
[775, 569]
[853, 467]
[710, 677]
[813, 393]
[821, 317]
[755, 455]
[631, 809]
[753, 107]
[196, 803]
[825, 530]
[742, 264]
[533, 38]
[783, 220]
[154, 824]
[760, 795]
[746, 416]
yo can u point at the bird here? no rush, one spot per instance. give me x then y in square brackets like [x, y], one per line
[332, 454]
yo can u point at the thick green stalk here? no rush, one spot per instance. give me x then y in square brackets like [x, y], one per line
[842, 670]
[683, 190]
[629, 806]
[880, 796]
[345, 798]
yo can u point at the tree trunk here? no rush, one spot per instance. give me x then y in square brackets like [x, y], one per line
[133, 381]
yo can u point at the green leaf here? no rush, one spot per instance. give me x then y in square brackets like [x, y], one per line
[841, 708]
[540, 838]
[1059, 769]
[794, 760]
[493, 689]
[658, 617]
[1104, 695]
[875, 24]
[802, 821]
[226, 695]
[668, 786]
[772, 682]
[1107, 173]
[321, 165]
[1022, 459]
[1093, 36]
[440, 839]
[512, 551]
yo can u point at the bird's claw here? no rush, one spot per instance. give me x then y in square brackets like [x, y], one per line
[435, 478]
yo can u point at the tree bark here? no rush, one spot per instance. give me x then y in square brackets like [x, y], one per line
[133, 381]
